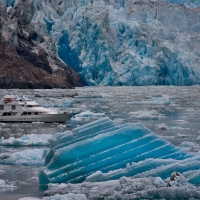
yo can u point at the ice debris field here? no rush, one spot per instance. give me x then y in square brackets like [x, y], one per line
[114, 157]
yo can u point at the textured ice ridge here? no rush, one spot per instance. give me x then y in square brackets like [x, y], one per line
[124, 42]
[102, 150]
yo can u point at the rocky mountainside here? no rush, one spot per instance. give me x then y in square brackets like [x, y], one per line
[27, 58]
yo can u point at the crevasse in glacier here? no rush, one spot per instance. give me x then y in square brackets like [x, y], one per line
[103, 150]
[124, 42]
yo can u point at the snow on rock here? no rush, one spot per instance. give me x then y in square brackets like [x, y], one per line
[27, 140]
[31, 157]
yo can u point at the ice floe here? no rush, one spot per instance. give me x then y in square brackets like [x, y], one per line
[69, 196]
[145, 114]
[165, 100]
[27, 140]
[5, 187]
[30, 157]
[87, 115]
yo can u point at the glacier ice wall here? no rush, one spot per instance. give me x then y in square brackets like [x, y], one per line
[138, 44]
[125, 42]
[102, 150]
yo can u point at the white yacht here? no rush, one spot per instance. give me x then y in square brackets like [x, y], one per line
[23, 110]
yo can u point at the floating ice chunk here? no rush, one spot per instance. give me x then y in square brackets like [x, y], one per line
[198, 138]
[27, 140]
[29, 198]
[178, 180]
[161, 126]
[2, 182]
[131, 188]
[61, 126]
[118, 120]
[154, 101]
[87, 115]
[190, 146]
[5, 187]
[69, 196]
[105, 146]
[5, 129]
[2, 124]
[93, 96]
[178, 128]
[31, 157]
[68, 103]
[179, 135]
[190, 110]
[145, 114]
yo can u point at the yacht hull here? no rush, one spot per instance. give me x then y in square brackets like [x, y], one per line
[41, 118]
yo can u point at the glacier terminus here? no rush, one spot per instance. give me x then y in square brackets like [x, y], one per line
[124, 42]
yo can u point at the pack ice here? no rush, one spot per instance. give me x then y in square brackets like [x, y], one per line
[102, 150]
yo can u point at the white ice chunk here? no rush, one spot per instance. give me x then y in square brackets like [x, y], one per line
[27, 140]
[145, 114]
[31, 157]
[87, 115]
[69, 196]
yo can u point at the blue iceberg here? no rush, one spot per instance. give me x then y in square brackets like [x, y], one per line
[102, 150]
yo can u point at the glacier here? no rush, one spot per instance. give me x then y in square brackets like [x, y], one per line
[103, 151]
[124, 42]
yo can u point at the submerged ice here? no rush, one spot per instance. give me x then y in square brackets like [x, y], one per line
[102, 151]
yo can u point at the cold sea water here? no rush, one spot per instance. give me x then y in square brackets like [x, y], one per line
[171, 112]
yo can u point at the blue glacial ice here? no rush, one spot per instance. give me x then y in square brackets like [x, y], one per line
[102, 151]
[130, 42]
[124, 42]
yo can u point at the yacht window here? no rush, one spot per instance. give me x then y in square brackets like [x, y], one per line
[29, 113]
[36, 113]
[13, 107]
[1, 107]
[24, 113]
[9, 114]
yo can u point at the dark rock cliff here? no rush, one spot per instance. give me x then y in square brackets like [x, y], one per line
[25, 61]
